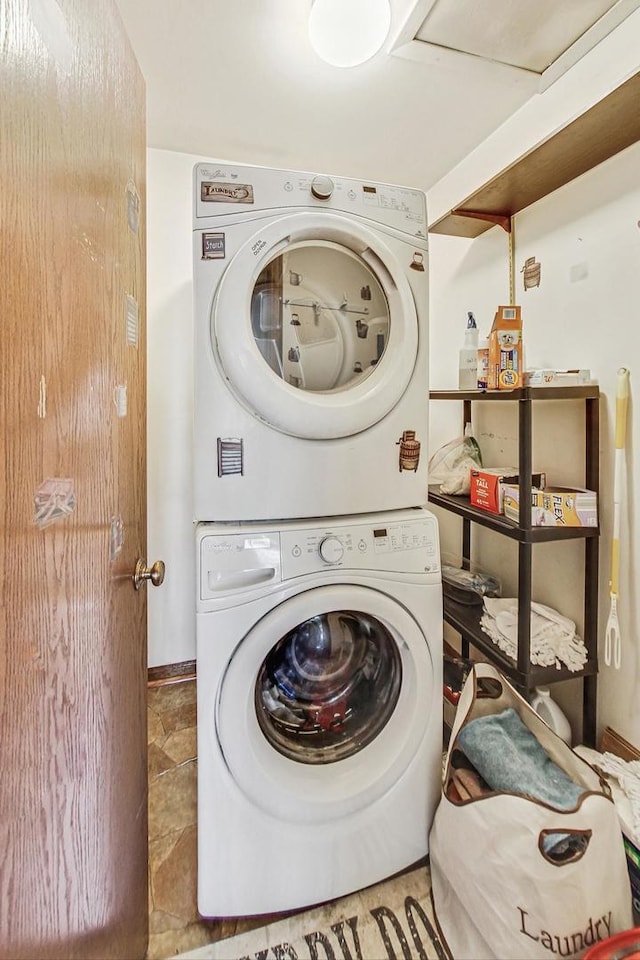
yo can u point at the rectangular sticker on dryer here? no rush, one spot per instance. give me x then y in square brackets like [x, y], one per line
[230, 457]
[212, 191]
[213, 246]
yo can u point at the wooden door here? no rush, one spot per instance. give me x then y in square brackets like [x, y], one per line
[73, 781]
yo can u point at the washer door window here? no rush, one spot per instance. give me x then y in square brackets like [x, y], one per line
[328, 687]
[325, 702]
[315, 327]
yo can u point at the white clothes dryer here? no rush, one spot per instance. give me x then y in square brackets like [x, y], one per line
[311, 346]
[319, 665]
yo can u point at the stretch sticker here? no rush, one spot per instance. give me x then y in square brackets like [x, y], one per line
[213, 246]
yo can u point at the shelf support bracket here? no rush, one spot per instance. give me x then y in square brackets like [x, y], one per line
[503, 220]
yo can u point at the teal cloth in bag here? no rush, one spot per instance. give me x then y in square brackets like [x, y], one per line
[508, 756]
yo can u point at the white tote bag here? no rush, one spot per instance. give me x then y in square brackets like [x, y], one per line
[500, 888]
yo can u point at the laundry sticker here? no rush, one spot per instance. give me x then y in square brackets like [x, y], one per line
[54, 500]
[418, 261]
[116, 537]
[409, 454]
[213, 192]
[213, 246]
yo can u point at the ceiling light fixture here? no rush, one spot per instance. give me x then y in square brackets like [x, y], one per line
[345, 33]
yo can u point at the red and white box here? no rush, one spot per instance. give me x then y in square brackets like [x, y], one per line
[487, 486]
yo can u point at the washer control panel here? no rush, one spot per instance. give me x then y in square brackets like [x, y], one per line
[405, 546]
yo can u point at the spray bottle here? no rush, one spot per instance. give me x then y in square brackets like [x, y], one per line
[468, 356]
[483, 364]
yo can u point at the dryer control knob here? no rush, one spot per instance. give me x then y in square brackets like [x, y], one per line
[331, 550]
[322, 187]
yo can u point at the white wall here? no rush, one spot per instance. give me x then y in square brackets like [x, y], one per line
[584, 314]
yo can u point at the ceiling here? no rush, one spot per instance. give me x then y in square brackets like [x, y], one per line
[239, 80]
[531, 36]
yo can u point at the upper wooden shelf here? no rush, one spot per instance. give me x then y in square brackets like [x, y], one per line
[605, 129]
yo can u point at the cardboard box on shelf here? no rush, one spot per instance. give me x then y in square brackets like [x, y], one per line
[487, 484]
[505, 349]
[557, 378]
[554, 506]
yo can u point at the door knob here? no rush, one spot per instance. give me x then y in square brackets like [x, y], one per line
[142, 573]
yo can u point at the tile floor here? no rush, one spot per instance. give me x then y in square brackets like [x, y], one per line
[174, 924]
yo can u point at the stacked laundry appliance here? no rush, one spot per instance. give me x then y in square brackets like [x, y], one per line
[319, 607]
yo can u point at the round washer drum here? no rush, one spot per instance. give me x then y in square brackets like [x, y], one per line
[328, 687]
[315, 793]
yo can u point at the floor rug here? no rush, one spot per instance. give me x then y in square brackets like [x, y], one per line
[392, 920]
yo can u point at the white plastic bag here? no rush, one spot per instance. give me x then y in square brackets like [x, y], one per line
[451, 465]
[497, 893]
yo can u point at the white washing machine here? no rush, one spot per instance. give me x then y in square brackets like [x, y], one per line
[311, 346]
[319, 664]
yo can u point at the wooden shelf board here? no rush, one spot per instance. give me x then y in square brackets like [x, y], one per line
[608, 127]
[466, 620]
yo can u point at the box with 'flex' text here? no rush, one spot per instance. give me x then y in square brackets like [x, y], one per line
[554, 506]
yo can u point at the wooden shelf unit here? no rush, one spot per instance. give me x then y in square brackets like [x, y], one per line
[466, 619]
[599, 133]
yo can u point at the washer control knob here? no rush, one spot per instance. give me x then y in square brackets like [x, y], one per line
[322, 188]
[331, 550]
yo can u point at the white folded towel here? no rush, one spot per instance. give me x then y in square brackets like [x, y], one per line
[624, 780]
[553, 637]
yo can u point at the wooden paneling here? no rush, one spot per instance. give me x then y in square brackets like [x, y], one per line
[73, 836]
[605, 129]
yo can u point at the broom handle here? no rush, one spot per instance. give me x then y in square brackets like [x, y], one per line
[622, 400]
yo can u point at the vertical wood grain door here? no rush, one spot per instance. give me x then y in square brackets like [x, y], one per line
[73, 781]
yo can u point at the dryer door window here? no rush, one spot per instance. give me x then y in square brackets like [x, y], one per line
[293, 718]
[328, 687]
[320, 317]
[315, 327]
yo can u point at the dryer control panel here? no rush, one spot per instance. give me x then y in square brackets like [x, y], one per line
[221, 190]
